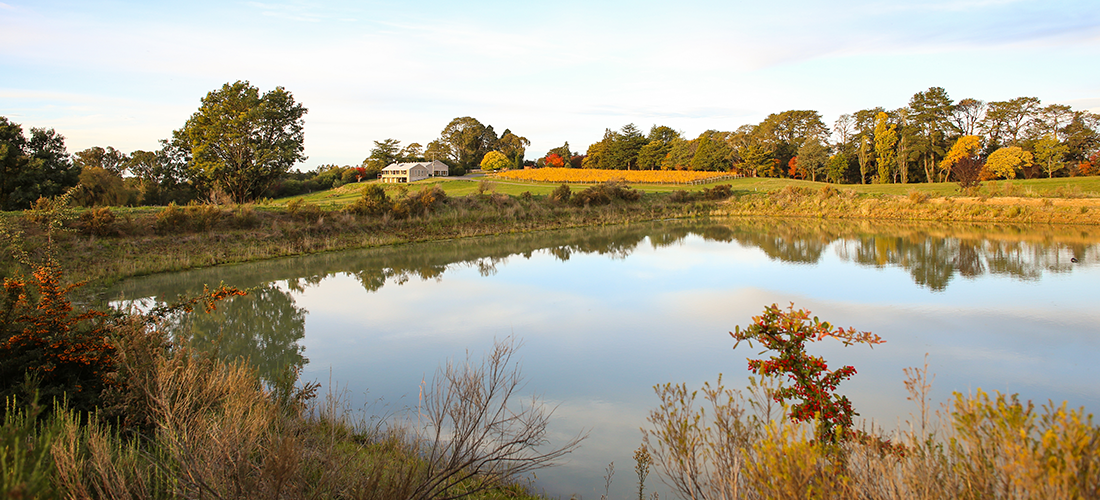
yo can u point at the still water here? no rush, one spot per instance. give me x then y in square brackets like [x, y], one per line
[604, 314]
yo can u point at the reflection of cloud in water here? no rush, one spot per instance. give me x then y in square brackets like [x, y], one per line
[600, 332]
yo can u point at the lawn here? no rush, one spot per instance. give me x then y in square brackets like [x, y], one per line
[1064, 187]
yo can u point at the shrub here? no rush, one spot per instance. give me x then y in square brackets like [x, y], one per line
[917, 197]
[301, 209]
[98, 222]
[719, 192]
[603, 193]
[561, 194]
[426, 200]
[682, 196]
[193, 217]
[787, 332]
[827, 192]
[374, 201]
[48, 350]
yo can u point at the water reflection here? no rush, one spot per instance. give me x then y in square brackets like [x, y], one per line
[933, 254]
[265, 327]
[608, 312]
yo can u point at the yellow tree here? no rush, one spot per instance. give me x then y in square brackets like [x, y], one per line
[965, 148]
[1004, 162]
[885, 138]
[495, 160]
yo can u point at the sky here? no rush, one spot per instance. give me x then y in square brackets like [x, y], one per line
[127, 73]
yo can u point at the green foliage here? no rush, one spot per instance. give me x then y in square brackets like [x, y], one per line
[103, 188]
[26, 461]
[813, 383]
[1049, 153]
[241, 142]
[32, 167]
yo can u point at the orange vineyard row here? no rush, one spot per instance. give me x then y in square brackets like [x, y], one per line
[583, 175]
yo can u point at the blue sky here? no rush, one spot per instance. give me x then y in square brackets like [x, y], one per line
[125, 74]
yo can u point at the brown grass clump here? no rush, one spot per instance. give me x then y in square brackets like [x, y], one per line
[978, 446]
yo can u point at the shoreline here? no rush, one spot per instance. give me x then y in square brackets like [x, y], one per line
[138, 243]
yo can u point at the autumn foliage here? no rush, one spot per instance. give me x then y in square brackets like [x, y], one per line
[813, 384]
[573, 175]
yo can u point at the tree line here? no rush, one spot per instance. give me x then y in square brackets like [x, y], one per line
[998, 139]
[240, 145]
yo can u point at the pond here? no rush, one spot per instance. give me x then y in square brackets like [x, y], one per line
[606, 313]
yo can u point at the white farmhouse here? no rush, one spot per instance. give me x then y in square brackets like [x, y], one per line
[415, 171]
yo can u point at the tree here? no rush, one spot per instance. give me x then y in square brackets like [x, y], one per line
[711, 152]
[1049, 153]
[965, 148]
[813, 158]
[514, 147]
[553, 160]
[162, 175]
[885, 138]
[837, 167]
[864, 159]
[785, 132]
[495, 160]
[1008, 122]
[596, 156]
[1004, 162]
[787, 332]
[102, 187]
[469, 141]
[381, 156]
[241, 142]
[931, 113]
[652, 154]
[110, 159]
[32, 167]
[966, 115]
[622, 152]
[413, 152]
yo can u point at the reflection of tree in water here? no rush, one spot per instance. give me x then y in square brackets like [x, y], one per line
[931, 252]
[264, 327]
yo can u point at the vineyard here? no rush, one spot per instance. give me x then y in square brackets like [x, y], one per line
[577, 175]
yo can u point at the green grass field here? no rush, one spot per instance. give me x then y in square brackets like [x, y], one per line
[1064, 187]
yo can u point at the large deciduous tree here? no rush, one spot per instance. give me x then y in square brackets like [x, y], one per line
[965, 149]
[468, 140]
[241, 141]
[813, 157]
[1049, 153]
[495, 160]
[107, 158]
[931, 113]
[32, 167]
[1004, 162]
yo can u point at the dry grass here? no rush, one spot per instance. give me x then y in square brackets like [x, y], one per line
[214, 431]
[977, 446]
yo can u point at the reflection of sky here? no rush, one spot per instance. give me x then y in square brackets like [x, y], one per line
[599, 332]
